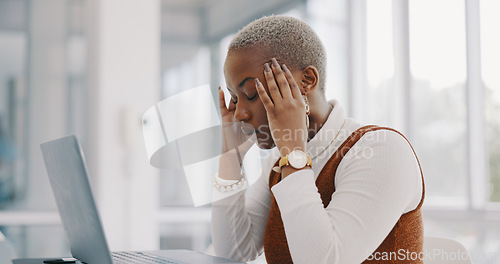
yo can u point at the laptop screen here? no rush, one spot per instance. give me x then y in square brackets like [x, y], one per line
[67, 173]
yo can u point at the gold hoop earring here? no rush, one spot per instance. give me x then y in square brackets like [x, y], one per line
[308, 110]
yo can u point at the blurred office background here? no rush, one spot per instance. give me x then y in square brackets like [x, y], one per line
[92, 67]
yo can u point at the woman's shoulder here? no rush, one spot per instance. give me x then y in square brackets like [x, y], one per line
[375, 134]
[377, 145]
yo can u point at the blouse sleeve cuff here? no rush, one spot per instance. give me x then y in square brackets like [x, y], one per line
[224, 182]
[294, 190]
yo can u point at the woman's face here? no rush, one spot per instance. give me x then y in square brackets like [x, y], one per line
[241, 68]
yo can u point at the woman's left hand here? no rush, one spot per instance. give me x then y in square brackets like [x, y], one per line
[285, 108]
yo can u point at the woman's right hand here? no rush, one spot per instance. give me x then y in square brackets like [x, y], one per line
[227, 113]
[232, 131]
[235, 143]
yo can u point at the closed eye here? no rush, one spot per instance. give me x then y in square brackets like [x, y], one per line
[253, 97]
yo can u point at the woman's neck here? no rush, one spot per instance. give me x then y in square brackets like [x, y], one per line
[320, 110]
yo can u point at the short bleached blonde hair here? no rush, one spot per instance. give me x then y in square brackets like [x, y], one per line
[288, 39]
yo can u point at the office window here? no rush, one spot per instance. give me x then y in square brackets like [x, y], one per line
[43, 95]
[380, 62]
[490, 51]
[438, 66]
[329, 20]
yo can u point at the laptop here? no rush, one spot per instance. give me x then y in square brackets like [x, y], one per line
[65, 164]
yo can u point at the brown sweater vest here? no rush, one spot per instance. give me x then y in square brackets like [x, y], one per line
[406, 238]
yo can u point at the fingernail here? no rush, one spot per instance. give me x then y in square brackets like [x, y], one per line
[284, 67]
[275, 63]
[266, 67]
[257, 82]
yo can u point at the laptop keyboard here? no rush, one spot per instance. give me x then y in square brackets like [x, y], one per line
[139, 258]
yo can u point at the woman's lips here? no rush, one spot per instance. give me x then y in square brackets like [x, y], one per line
[248, 129]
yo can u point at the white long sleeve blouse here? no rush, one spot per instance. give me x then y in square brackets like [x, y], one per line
[376, 182]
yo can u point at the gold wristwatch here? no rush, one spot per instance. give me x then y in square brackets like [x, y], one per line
[297, 159]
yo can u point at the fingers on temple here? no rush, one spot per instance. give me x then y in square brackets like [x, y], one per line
[294, 87]
[281, 79]
[271, 83]
[264, 97]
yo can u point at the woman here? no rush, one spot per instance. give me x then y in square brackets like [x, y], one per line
[335, 192]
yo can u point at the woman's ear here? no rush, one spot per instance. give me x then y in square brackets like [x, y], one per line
[310, 78]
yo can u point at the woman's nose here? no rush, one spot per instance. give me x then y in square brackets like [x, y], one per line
[241, 114]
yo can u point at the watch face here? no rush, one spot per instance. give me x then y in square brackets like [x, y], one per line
[297, 159]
